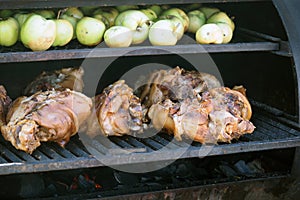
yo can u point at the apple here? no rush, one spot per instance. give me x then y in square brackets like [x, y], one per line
[109, 13]
[209, 34]
[64, 32]
[179, 30]
[180, 14]
[221, 17]
[149, 13]
[38, 33]
[163, 33]
[47, 14]
[123, 8]
[156, 8]
[6, 13]
[118, 36]
[136, 21]
[9, 31]
[209, 11]
[89, 31]
[197, 19]
[21, 17]
[227, 32]
[74, 12]
[72, 20]
[88, 10]
[103, 19]
[194, 6]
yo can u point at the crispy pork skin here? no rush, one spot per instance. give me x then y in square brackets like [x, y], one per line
[59, 80]
[176, 84]
[117, 112]
[5, 102]
[45, 116]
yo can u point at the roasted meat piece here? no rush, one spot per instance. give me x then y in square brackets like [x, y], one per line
[59, 80]
[220, 115]
[117, 112]
[231, 113]
[176, 84]
[45, 116]
[5, 101]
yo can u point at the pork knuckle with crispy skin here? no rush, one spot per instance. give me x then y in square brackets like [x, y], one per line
[45, 116]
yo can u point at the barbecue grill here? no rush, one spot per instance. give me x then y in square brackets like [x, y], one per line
[263, 56]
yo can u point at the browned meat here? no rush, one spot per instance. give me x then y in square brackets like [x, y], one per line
[59, 80]
[176, 84]
[117, 112]
[45, 116]
[220, 115]
[5, 101]
[231, 113]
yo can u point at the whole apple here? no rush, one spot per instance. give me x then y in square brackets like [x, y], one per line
[9, 31]
[180, 14]
[21, 17]
[72, 20]
[163, 33]
[197, 19]
[136, 21]
[109, 13]
[74, 12]
[64, 32]
[149, 13]
[6, 13]
[47, 14]
[179, 29]
[103, 19]
[156, 8]
[209, 11]
[89, 31]
[118, 36]
[38, 33]
[227, 32]
[209, 34]
[221, 17]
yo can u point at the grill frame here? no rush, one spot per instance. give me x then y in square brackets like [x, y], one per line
[269, 134]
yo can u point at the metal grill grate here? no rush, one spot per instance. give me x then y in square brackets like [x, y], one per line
[269, 134]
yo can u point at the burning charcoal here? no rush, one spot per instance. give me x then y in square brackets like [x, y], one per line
[242, 168]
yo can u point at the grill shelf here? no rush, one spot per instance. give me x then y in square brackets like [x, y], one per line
[269, 134]
[243, 41]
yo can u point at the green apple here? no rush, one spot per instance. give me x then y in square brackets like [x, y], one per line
[194, 6]
[163, 33]
[221, 17]
[109, 13]
[156, 8]
[88, 10]
[38, 33]
[9, 31]
[72, 20]
[123, 8]
[197, 19]
[209, 11]
[74, 12]
[136, 21]
[64, 32]
[179, 28]
[149, 13]
[118, 36]
[21, 17]
[180, 14]
[103, 19]
[227, 32]
[209, 34]
[47, 14]
[89, 31]
[6, 13]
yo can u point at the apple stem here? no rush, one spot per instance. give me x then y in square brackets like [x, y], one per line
[61, 11]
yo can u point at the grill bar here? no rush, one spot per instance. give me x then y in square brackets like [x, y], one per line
[269, 134]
